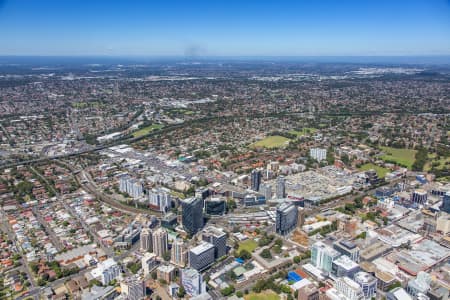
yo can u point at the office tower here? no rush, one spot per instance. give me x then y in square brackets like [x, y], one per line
[343, 266]
[132, 288]
[192, 215]
[322, 256]
[218, 238]
[160, 242]
[280, 191]
[146, 240]
[192, 282]
[308, 292]
[159, 199]
[149, 262]
[301, 216]
[169, 221]
[106, 271]
[349, 288]
[202, 256]
[287, 217]
[318, 154]
[178, 254]
[419, 196]
[372, 176]
[346, 247]
[367, 282]
[215, 206]
[202, 193]
[251, 200]
[266, 190]
[446, 203]
[256, 179]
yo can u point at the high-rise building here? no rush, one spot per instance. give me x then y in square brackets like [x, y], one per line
[165, 272]
[343, 266]
[287, 217]
[301, 216]
[318, 154]
[308, 292]
[160, 242]
[215, 206]
[419, 196]
[218, 238]
[280, 191]
[149, 262]
[192, 215]
[202, 256]
[367, 282]
[349, 225]
[346, 247]
[132, 288]
[349, 288]
[192, 282]
[322, 256]
[146, 240]
[256, 179]
[169, 221]
[446, 203]
[178, 255]
[159, 199]
[266, 190]
[131, 186]
[106, 271]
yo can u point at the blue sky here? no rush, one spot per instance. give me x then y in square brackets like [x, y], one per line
[225, 28]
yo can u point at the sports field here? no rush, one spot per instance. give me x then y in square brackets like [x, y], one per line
[380, 170]
[147, 130]
[275, 141]
[304, 131]
[405, 157]
[265, 295]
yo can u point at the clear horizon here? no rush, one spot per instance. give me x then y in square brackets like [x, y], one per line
[225, 28]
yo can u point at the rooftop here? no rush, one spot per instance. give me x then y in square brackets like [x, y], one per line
[205, 246]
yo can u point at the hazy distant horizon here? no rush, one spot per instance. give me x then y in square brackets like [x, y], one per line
[357, 59]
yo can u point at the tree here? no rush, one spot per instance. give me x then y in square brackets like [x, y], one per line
[154, 275]
[330, 156]
[266, 254]
[227, 291]
[239, 294]
[244, 254]
[181, 292]
[297, 259]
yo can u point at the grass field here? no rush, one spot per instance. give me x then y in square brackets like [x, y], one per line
[380, 170]
[274, 141]
[304, 131]
[265, 295]
[404, 157]
[249, 245]
[146, 130]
